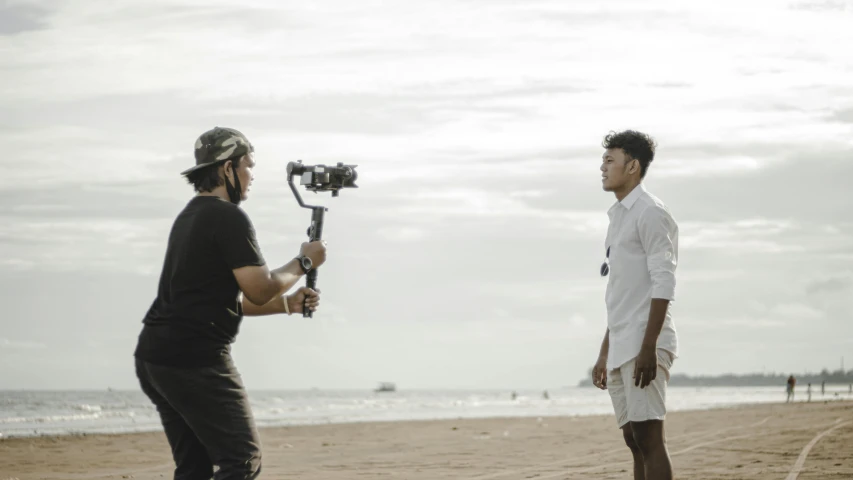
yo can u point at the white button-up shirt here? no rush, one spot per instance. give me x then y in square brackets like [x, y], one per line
[643, 242]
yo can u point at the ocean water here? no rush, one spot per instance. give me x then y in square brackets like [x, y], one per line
[29, 413]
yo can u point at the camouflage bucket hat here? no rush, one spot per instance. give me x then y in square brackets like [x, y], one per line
[218, 145]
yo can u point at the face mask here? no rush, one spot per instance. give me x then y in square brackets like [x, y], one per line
[234, 192]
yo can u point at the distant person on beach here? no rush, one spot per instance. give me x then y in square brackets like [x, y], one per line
[809, 393]
[822, 387]
[640, 344]
[792, 382]
[213, 274]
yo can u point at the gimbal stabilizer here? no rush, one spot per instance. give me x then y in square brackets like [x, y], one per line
[319, 178]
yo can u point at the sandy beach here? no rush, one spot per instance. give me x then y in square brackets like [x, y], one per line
[780, 441]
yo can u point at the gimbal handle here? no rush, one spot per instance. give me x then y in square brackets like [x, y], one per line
[315, 232]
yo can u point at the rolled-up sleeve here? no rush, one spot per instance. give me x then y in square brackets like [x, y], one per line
[659, 235]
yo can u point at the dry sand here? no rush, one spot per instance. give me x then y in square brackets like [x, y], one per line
[782, 441]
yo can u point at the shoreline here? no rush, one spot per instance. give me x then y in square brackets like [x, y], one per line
[552, 414]
[760, 441]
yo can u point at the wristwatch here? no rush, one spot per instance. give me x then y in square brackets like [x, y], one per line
[305, 263]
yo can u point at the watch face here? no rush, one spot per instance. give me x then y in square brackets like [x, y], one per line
[306, 262]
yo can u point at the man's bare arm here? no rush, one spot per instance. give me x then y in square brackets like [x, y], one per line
[296, 302]
[657, 315]
[273, 307]
[605, 345]
[599, 370]
[261, 286]
[645, 368]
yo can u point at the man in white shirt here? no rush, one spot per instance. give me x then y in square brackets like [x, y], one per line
[641, 252]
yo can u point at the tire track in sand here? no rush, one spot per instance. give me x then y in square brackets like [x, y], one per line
[798, 465]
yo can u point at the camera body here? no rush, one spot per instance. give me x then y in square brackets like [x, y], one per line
[322, 178]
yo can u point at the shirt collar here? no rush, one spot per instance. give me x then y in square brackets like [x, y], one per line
[629, 199]
[635, 195]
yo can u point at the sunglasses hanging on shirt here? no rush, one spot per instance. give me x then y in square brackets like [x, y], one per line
[605, 267]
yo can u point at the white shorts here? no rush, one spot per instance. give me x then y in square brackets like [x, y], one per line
[635, 404]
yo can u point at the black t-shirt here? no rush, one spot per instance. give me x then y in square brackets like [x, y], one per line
[197, 312]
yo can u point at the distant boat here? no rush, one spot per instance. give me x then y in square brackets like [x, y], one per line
[386, 387]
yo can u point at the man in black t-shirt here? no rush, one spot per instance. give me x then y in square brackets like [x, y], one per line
[213, 274]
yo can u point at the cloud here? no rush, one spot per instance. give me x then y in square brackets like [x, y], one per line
[697, 167]
[711, 276]
[56, 154]
[402, 233]
[485, 215]
[785, 315]
[843, 115]
[748, 234]
[76, 243]
[18, 264]
[469, 202]
[820, 5]
[833, 283]
[17, 17]
[6, 343]
[761, 235]
[514, 331]
[133, 199]
[797, 311]
[751, 323]
[531, 193]
[560, 293]
[578, 320]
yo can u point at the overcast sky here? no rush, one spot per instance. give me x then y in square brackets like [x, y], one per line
[469, 255]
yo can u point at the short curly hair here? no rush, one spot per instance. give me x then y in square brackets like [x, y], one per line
[636, 145]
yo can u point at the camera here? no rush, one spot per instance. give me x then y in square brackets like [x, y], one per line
[322, 178]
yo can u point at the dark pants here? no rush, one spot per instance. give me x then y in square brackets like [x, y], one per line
[206, 415]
